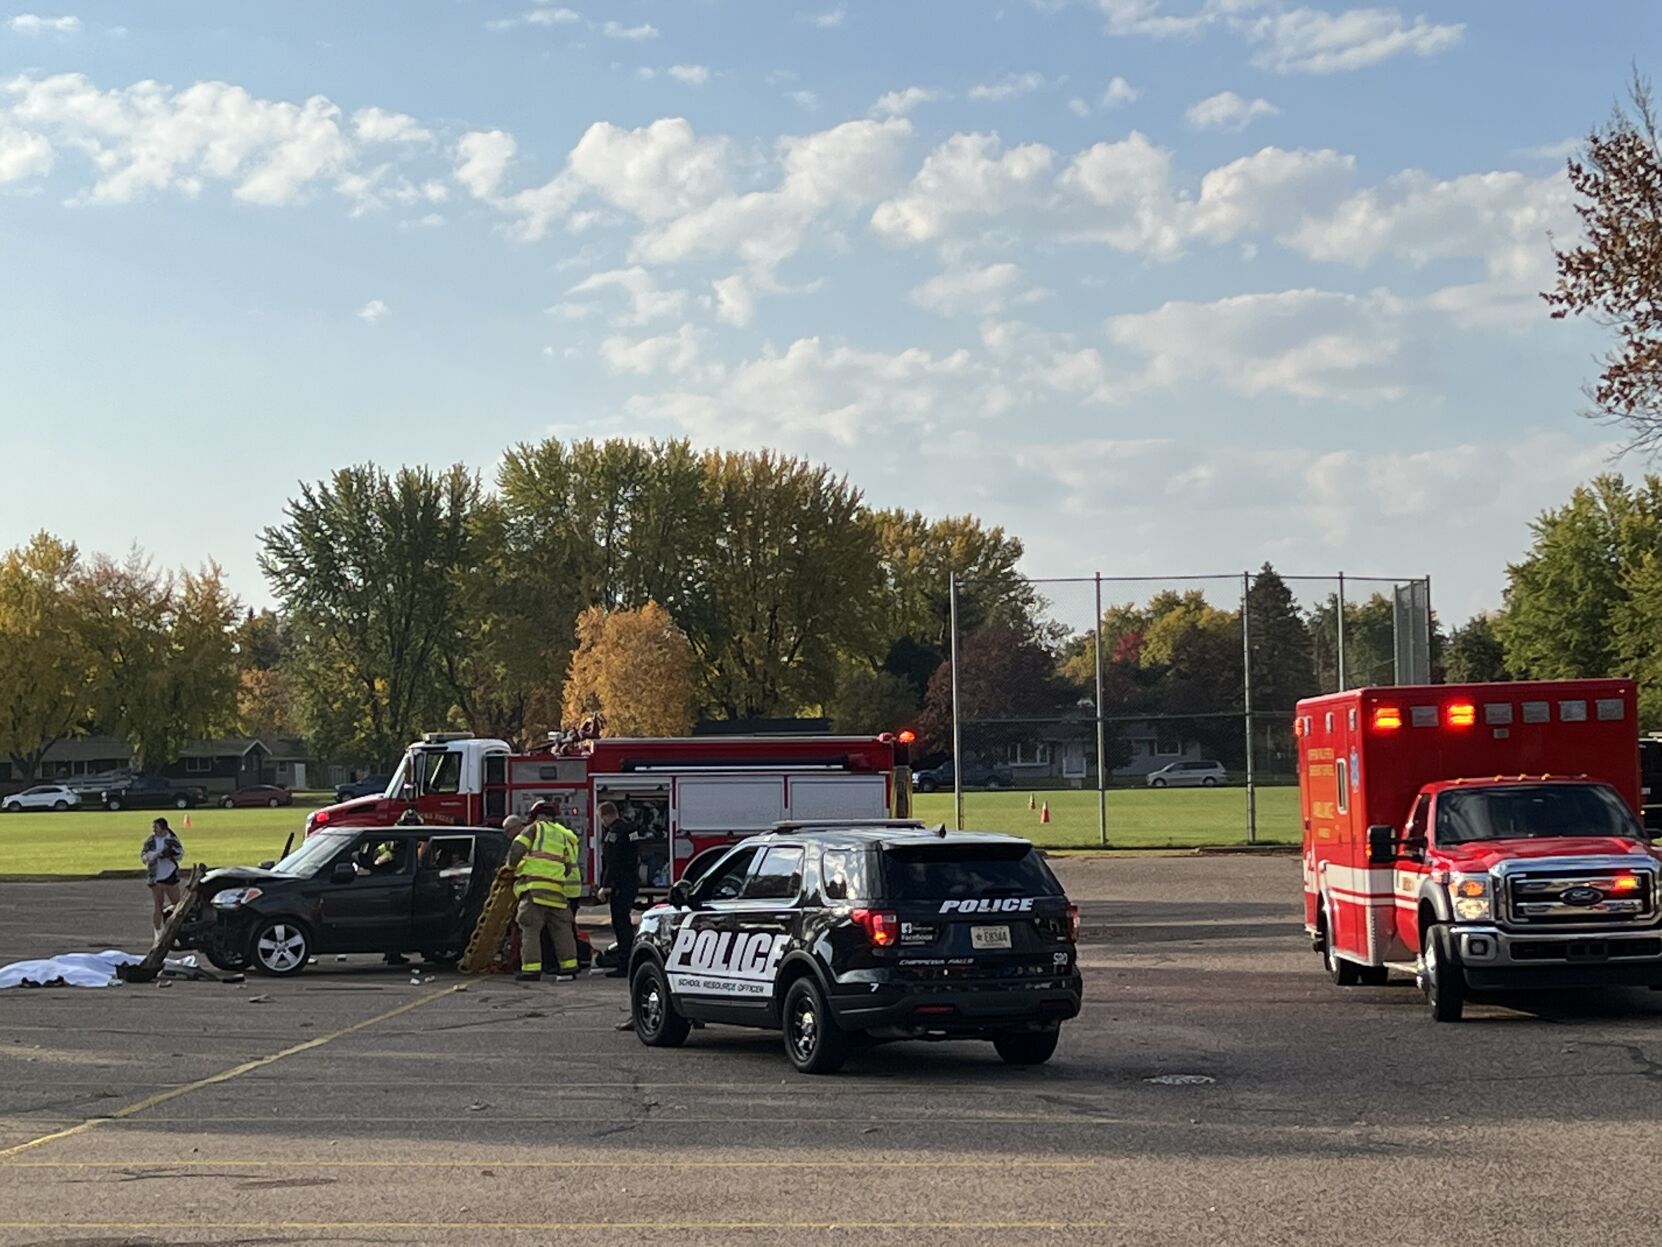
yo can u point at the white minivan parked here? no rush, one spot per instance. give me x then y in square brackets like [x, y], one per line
[1196, 774]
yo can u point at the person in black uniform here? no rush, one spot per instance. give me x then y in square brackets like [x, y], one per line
[619, 879]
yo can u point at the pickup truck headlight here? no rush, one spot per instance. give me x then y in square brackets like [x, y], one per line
[1471, 898]
[233, 897]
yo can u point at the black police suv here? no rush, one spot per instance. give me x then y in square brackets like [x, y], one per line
[348, 890]
[834, 931]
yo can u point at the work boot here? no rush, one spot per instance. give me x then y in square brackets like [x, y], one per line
[528, 976]
[566, 976]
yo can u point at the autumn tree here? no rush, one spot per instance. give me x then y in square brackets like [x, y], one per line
[169, 656]
[1475, 654]
[1615, 273]
[1283, 670]
[635, 667]
[1564, 597]
[49, 669]
[868, 701]
[1007, 686]
[369, 569]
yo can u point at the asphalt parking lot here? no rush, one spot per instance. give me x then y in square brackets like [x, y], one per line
[480, 1110]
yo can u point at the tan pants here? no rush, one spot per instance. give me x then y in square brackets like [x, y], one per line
[532, 918]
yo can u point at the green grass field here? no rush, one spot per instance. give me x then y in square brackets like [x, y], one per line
[85, 843]
[1138, 818]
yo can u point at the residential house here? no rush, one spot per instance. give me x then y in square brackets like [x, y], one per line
[1065, 752]
[74, 758]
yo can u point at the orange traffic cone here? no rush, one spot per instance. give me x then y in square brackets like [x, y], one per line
[1044, 812]
[1030, 802]
[187, 822]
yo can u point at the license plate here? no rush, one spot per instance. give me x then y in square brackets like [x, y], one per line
[989, 937]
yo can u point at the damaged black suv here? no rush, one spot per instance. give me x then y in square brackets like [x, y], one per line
[832, 932]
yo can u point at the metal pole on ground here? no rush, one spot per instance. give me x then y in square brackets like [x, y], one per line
[1246, 697]
[957, 736]
[1101, 731]
[1343, 682]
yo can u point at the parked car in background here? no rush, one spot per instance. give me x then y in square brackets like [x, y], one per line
[1195, 774]
[369, 786]
[150, 792]
[976, 775]
[42, 797]
[271, 795]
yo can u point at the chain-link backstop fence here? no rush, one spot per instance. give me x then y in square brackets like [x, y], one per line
[1132, 712]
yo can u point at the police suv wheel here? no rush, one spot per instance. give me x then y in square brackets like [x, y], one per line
[1441, 977]
[1027, 1047]
[280, 947]
[813, 1040]
[657, 1024]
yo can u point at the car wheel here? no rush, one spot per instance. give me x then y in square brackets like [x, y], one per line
[1156, 783]
[1343, 973]
[13, 807]
[1027, 1047]
[280, 947]
[926, 785]
[273, 803]
[1441, 978]
[113, 803]
[227, 804]
[657, 1024]
[813, 1040]
[1210, 781]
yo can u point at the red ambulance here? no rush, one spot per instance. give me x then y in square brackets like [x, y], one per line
[1479, 837]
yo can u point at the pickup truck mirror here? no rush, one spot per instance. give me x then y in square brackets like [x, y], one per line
[1382, 844]
[344, 872]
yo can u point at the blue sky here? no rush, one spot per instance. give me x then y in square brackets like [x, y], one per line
[1161, 286]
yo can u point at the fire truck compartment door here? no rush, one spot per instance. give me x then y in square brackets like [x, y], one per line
[838, 796]
[729, 803]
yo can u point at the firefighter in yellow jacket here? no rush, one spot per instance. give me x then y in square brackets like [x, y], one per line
[543, 858]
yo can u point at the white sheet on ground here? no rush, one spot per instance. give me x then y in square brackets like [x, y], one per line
[73, 969]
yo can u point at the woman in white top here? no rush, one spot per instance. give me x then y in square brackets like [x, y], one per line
[161, 855]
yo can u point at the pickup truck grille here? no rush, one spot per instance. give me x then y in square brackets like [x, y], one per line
[1566, 898]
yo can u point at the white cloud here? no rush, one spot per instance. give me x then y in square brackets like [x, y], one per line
[1310, 344]
[376, 125]
[974, 291]
[901, 103]
[845, 167]
[553, 17]
[1144, 17]
[647, 301]
[148, 137]
[673, 353]
[1266, 192]
[617, 30]
[690, 75]
[1562, 150]
[1079, 107]
[1118, 91]
[818, 394]
[805, 99]
[1008, 87]
[1311, 41]
[1127, 186]
[482, 161]
[23, 155]
[1227, 111]
[735, 300]
[35, 24]
[373, 312]
[829, 19]
[968, 175]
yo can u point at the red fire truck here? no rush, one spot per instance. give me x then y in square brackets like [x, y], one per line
[688, 795]
[1480, 837]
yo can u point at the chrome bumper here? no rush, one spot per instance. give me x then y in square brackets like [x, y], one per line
[1486, 947]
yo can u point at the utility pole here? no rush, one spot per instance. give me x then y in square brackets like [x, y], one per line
[1246, 695]
[1101, 730]
[957, 738]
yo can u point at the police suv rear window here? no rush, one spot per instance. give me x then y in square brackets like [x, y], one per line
[952, 872]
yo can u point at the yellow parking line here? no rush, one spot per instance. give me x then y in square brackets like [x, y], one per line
[486, 1163]
[176, 1225]
[162, 1097]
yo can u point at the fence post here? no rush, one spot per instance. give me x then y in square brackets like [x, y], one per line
[1101, 731]
[1343, 682]
[957, 739]
[1246, 697]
